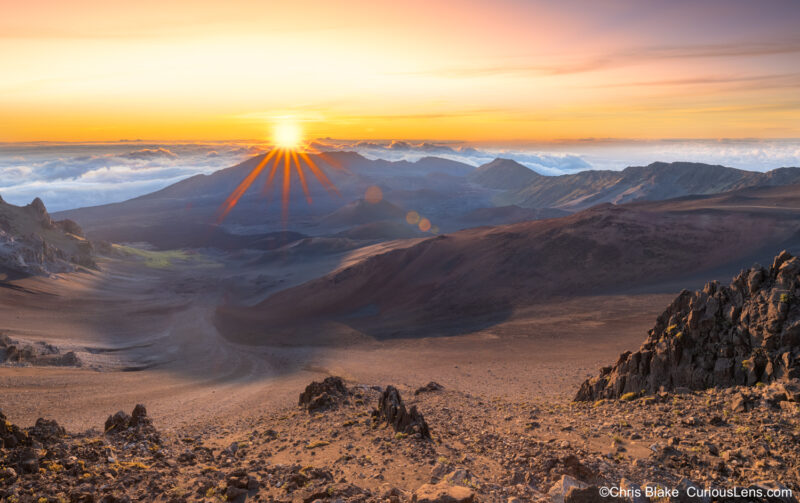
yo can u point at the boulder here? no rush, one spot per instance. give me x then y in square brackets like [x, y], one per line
[558, 492]
[430, 387]
[136, 427]
[392, 410]
[46, 431]
[325, 395]
[11, 435]
[443, 493]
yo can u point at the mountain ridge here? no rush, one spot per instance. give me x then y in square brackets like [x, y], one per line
[503, 174]
[656, 181]
[489, 271]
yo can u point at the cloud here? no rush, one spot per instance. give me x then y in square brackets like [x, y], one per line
[558, 158]
[622, 58]
[396, 150]
[149, 153]
[73, 175]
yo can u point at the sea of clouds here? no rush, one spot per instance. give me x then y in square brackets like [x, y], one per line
[74, 175]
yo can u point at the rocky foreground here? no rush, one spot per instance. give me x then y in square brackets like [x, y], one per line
[357, 443]
[742, 334]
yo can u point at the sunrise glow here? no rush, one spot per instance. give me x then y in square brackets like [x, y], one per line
[287, 135]
[476, 71]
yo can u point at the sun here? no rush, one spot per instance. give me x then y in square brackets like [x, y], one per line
[287, 135]
[290, 157]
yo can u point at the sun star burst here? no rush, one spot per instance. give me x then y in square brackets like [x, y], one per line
[286, 159]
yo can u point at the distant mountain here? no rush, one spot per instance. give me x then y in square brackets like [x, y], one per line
[488, 272]
[32, 243]
[442, 190]
[656, 181]
[503, 174]
[195, 201]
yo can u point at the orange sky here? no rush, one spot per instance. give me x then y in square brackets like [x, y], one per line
[467, 70]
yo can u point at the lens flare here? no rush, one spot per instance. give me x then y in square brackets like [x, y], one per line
[424, 225]
[373, 195]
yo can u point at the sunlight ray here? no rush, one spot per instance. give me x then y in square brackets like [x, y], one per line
[319, 174]
[267, 189]
[232, 199]
[287, 185]
[302, 177]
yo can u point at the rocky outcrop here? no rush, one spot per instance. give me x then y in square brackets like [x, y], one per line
[722, 336]
[392, 410]
[32, 243]
[10, 434]
[17, 353]
[429, 388]
[443, 493]
[325, 395]
[136, 427]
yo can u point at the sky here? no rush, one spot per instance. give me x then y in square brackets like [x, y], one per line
[501, 72]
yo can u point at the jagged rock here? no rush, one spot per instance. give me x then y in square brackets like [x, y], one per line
[136, 427]
[117, 422]
[325, 395]
[443, 493]
[740, 403]
[46, 431]
[558, 492]
[139, 417]
[721, 336]
[70, 226]
[31, 243]
[431, 386]
[10, 434]
[39, 353]
[37, 205]
[392, 410]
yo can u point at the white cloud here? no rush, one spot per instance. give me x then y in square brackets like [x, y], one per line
[73, 175]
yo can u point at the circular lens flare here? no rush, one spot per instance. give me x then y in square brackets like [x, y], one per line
[287, 135]
[374, 195]
[424, 225]
[412, 217]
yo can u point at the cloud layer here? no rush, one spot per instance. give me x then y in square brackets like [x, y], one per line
[73, 175]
